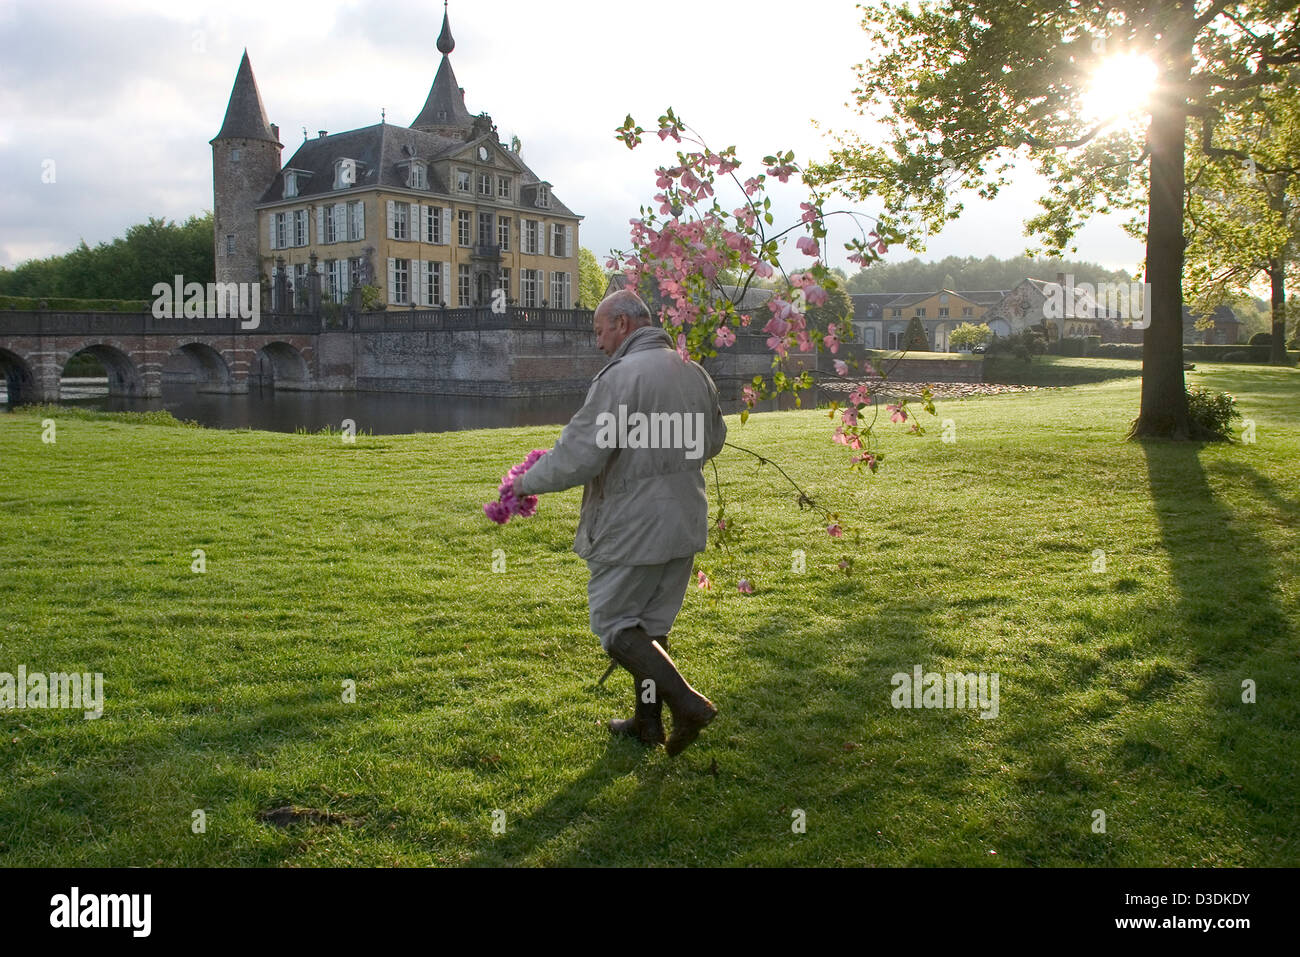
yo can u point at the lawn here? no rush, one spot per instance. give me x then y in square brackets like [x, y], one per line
[476, 697]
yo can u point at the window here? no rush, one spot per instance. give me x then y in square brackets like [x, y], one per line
[399, 275]
[503, 187]
[230, 244]
[300, 227]
[920, 311]
[234, 155]
[485, 229]
[290, 184]
[356, 220]
[431, 284]
[968, 310]
[560, 290]
[433, 225]
[531, 233]
[943, 311]
[401, 221]
[336, 279]
[356, 272]
[505, 283]
[894, 339]
[462, 227]
[529, 283]
[331, 229]
[484, 184]
[463, 284]
[561, 239]
[462, 180]
[281, 231]
[417, 179]
[898, 313]
[543, 196]
[503, 233]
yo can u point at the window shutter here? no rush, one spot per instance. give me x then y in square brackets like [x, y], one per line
[361, 220]
[270, 219]
[320, 225]
[340, 222]
[446, 227]
[392, 279]
[391, 216]
[545, 230]
[568, 241]
[446, 282]
[345, 276]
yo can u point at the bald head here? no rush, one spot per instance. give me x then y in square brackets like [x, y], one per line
[617, 317]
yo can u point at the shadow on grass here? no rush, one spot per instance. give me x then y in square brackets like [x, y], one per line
[1229, 624]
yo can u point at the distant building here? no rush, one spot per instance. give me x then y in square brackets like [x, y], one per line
[440, 213]
[1226, 328]
[880, 319]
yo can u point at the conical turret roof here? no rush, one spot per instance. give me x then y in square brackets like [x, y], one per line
[245, 114]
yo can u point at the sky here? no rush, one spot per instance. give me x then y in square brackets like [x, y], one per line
[106, 109]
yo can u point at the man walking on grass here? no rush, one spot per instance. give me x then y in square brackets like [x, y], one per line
[638, 447]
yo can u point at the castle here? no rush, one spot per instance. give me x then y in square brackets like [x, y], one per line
[437, 214]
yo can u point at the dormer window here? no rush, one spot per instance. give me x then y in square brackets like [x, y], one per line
[290, 184]
[345, 173]
[503, 187]
[543, 196]
[462, 180]
[417, 176]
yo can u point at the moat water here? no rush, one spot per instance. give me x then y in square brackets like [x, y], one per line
[378, 413]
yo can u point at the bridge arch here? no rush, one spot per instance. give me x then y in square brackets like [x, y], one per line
[283, 366]
[18, 377]
[209, 368]
[124, 376]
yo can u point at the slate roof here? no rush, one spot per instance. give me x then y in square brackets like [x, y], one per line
[245, 114]
[445, 105]
[1220, 314]
[379, 152]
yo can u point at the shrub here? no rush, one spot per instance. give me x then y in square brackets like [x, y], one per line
[1261, 339]
[1213, 411]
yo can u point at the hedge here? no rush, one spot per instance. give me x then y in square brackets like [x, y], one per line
[37, 303]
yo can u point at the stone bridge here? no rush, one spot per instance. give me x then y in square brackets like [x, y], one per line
[456, 351]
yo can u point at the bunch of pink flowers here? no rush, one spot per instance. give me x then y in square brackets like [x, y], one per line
[507, 504]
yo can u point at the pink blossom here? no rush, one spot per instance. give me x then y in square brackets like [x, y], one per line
[860, 396]
[753, 185]
[702, 581]
[896, 413]
[681, 347]
[749, 395]
[763, 269]
[834, 530]
[810, 212]
[841, 367]
[807, 245]
[725, 337]
[815, 294]
[832, 342]
[744, 587]
[507, 503]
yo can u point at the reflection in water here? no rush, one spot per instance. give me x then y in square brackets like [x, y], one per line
[379, 413]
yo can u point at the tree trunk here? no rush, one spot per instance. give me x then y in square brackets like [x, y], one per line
[1164, 396]
[1277, 277]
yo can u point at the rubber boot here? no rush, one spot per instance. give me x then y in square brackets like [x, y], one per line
[647, 726]
[691, 711]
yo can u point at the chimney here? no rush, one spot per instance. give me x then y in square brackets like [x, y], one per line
[275, 131]
[321, 134]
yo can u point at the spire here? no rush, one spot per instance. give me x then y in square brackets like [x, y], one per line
[444, 109]
[245, 115]
[446, 42]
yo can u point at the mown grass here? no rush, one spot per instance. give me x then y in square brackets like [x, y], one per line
[1120, 691]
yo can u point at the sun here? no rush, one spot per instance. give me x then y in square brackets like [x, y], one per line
[1120, 87]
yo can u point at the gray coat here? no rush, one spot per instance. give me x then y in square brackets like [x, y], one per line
[643, 498]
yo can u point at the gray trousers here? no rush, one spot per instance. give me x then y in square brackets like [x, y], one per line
[624, 596]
